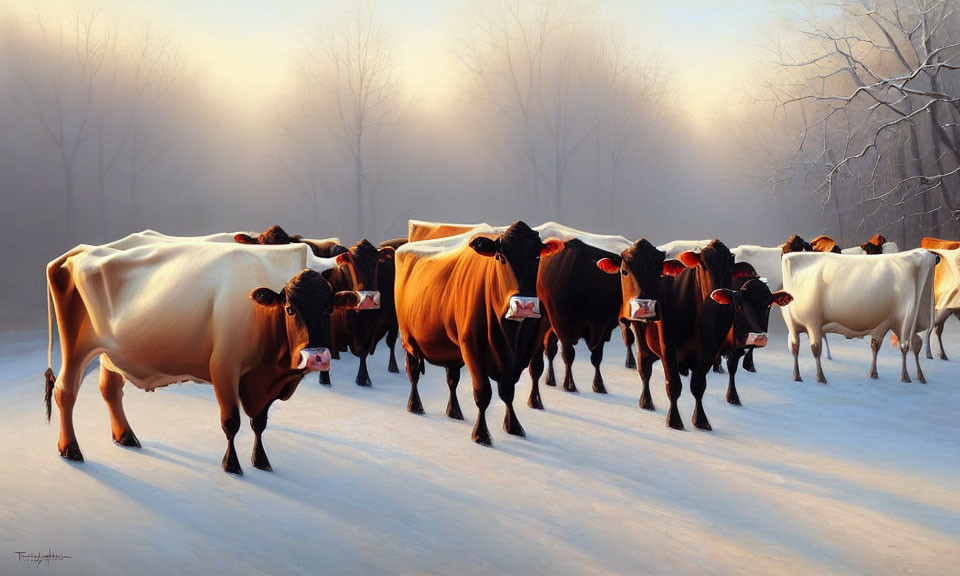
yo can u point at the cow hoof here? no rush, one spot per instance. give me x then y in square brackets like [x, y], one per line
[260, 462]
[905, 379]
[647, 404]
[703, 424]
[673, 420]
[128, 439]
[943, 356]
[599, 388]
[231, 464]
[550, 380]
[392, 367]
[513, 427]
[415, 407]
[872, 375]
[569, 386]
[453, 411]
[535, 402]
[921, 379]
[72, 452]
[365, 383]
[630, 363]
[750, 368]
[481, 435]
[796, 377]
[733, 399]
[325, 378]
[821, 379]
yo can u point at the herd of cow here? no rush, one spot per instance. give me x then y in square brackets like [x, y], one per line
[253, 314]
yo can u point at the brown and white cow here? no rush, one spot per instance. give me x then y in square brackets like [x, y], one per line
[275, 235]
[251, 322]
[471, 300]
[946, 286]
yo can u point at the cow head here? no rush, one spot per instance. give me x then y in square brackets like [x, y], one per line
[796, 244]
[305, 305]
[752, 301]
[824, 243]
[717, 260]
[519, 249]
[874, 245]
[362, 261]
[271, 236]
[641, 268]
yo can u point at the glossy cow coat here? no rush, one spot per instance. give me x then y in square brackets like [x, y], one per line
[173, 311]
[946, 286]
[452, 298]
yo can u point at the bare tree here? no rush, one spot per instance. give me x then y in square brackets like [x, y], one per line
[349, 95]
[877, 87]
[62, 79]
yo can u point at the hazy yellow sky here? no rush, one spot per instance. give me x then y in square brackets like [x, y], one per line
[246, 46]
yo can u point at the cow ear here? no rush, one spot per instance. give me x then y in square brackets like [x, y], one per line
[689, 258]
[744, 270]
[345, 299]
[343, 258]
[267, 297]
[551, 246]
[244, 239]
[608, 265]
[722, 296]
[781, 298]
[484, 246]
[673, 267]
[386, 253]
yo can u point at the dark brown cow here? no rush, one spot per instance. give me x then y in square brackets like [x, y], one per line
[360, 330]
[874, 245]
[275, 235]
[692, 324]
[578, 301]
[796, 244]
[472, 302]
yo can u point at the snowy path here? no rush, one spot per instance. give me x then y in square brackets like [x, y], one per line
[856, 477]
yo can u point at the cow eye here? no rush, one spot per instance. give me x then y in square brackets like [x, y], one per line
[623, 271]
[290, 311]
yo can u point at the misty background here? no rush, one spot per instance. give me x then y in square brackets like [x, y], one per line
[748, 121]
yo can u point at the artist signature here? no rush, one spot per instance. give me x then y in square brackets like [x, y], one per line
[40, 557]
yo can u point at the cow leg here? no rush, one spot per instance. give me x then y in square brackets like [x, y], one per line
[227, 392]
[391, 344]
[551, 349]
[413, 373]
[916, 343]
[511, 424]
[453, 405]
[927, 343]
[363, 376]
[628, 339]
[827, 346]
[259, 457]
[795, 350]
[647, 359]
[596, 357]
[65, 393]
[732, 360]
[815, 348]
[904, 376]
[748, 361]
[875, 348]
[334, 355]
[568, 353]
[717, 365]
[325, 376]
[698, 385]
[943, 353]
[482, 393]
[536, 370]
[111, 388]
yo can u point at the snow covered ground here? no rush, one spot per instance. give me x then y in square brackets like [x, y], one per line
[855, 477]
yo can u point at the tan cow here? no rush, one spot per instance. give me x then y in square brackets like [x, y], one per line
[251, 321]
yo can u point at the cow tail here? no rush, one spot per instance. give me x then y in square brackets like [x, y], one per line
[48, 375]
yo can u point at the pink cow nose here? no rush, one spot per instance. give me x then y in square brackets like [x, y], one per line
[642, 308]
[314, 359]
[523, 307]
[369, 299]
[758, 339]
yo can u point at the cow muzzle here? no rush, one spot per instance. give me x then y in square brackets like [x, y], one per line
[642, 309]
[314, 359]
[756, 339]
[522, 307]
[369, 299]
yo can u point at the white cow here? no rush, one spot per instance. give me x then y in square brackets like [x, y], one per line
[677, 247]
[888, 248]
[765, 260]
[859, 296]
[250, 320]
